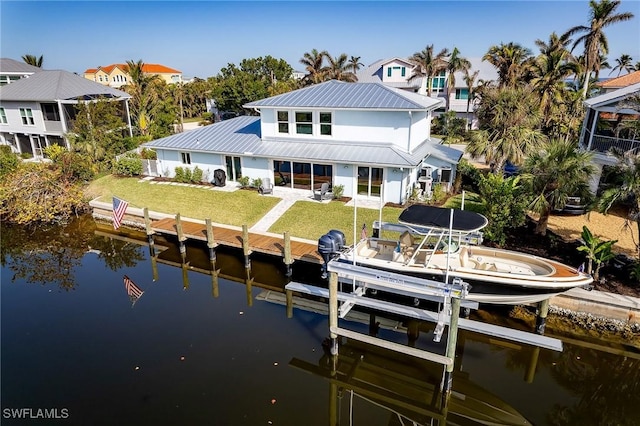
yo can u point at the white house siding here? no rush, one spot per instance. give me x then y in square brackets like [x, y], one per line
[356, 126]
[257, 167]
[169, 160]
[344, 174]
[14, 120]
[396, 74]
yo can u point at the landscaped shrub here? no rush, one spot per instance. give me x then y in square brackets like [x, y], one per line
[75, 166]
[179, 176]
[8, 160]
[128, 166]
[244, 181]
[438, 194]
[53, 152]
[197, 175]
[338, 191]
[256, 183]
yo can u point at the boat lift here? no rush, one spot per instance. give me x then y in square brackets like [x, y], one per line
[450, 295]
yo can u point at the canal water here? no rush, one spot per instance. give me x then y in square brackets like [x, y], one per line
[196, 349]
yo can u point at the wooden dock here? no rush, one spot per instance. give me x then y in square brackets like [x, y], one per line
[230, 237]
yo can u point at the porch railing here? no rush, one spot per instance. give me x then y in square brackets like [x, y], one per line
[605, 143]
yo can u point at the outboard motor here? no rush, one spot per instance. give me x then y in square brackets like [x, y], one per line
[330, 245]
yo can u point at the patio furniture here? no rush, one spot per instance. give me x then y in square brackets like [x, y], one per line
[320, 194]
[266, 187]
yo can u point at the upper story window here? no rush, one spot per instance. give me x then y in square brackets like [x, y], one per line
[50, 112]
[27, 116]
[185, 157]
[394, 70]
[462, 93]
[283, 122]
[325, 123]
[3, 116]
[304, 123]
[438, 82]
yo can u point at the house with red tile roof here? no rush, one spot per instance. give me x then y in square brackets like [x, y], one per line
[619, 82]
[116, 75]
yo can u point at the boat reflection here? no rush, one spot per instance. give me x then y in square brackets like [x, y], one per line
[409, 388]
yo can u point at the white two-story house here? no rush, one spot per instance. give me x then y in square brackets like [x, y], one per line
[399, 73]
[371, 139]
[38, 111]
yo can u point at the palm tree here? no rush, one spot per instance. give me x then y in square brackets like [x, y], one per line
[469, 80]
[509, 120]
[510, 60]
[355, 64]
[624, 63]
[627, 173]
[548, 73]
[33, 60]
[144, 97]
[555, 173]
[338, 69]
[454, 64]
[428, 66]
[636, 67]
[314, 66]
[601, 15]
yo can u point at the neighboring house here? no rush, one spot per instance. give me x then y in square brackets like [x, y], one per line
[38, 111]
[397, 72]
[616, 83]
[601, 128]
[368, 137]
[117, 75]
[12, 70]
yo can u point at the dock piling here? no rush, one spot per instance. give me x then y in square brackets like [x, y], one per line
[288, 259]
[452, 340]
[541, 320]
[149, 231]
[181, 237]
[333, 311]
[246, 248]
[211, 243]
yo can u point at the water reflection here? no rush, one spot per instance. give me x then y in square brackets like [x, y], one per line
[80, 349]
[362, 376]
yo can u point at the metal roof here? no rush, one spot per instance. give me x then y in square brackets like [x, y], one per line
[11, 66]
[54, 86]
[241, 136]
[340, 95]
[613, 96]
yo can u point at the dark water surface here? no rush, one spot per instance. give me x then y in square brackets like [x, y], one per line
[71, 341]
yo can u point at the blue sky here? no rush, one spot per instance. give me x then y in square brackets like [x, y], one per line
[201, 37]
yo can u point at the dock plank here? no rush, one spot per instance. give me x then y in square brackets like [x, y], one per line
[258, 242]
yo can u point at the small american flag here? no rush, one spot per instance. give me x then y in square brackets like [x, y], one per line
[119, 208]
[363, 234]
[133, 290]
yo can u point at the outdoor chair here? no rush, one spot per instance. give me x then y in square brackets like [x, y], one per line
[266, 187]
[320, 194]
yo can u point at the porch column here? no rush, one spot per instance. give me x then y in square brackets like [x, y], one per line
[17, 140]
[593, 128]
[126, 105]
[33, 146]
[65, 128]
[594, 180]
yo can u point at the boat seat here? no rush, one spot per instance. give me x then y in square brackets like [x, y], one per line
[406, 243]
[465, 260]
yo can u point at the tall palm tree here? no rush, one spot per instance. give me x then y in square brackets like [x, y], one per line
[556, 172]
[601, 15]
[636, 67]
[510, 60]
[428, 65]
[623, 63]
[509, 120]
[548, 73]
[455, 63]
[355, 64]
[470, 80]
[314, 66]
[144, 97]
[33, 60]
[338, 69]
[627, 173]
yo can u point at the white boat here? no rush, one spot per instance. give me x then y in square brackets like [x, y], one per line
[441, 244]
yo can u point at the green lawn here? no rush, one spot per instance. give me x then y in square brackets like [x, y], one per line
[232, 208]
[304, 219]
